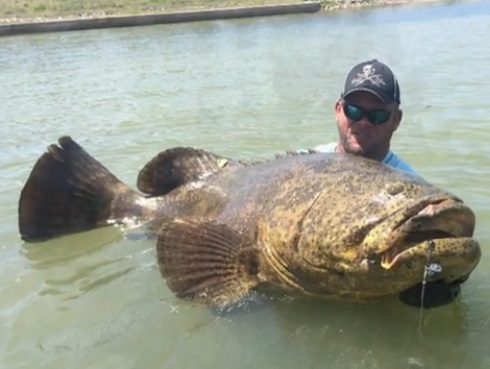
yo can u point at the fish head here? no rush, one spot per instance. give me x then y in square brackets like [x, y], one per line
[375, 239]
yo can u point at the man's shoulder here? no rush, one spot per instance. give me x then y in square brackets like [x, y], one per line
[329, 147]
[395, 161]
[391, 159]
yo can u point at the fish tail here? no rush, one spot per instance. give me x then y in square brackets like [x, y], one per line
[68, 191]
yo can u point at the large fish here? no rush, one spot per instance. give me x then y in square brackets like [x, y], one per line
[328, 225]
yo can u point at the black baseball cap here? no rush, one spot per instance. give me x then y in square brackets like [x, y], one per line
[375, 77]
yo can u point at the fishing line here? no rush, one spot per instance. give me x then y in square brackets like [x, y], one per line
[430, 270]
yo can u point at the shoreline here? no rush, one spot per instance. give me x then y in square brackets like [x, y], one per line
[29, 25]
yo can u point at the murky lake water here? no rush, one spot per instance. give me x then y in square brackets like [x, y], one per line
[245, 88]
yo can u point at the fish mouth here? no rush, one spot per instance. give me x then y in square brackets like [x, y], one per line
[445, 221]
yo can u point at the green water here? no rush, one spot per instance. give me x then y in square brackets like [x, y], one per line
[244, 88]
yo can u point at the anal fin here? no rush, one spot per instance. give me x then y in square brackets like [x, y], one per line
[207, 261]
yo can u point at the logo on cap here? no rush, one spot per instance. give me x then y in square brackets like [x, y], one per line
[368, 74]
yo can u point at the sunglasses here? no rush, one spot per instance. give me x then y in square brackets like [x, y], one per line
[356, 113]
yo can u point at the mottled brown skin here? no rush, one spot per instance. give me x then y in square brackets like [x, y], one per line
[315, 224]
[313, 218]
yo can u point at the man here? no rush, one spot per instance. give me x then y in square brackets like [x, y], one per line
[368, 113]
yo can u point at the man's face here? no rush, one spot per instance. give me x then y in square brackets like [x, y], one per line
[361, 137]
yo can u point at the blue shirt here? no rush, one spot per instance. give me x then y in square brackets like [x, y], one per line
[390, 159]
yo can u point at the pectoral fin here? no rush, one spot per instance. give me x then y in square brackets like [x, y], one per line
[207, 261]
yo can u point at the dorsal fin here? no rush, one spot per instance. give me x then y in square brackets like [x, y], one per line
[285, 154]
[295, 153]
[176, 166]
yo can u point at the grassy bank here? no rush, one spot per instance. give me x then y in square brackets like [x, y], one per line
[29, 10]
[18, 11]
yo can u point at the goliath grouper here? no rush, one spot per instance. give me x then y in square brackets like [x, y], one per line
[327, 225]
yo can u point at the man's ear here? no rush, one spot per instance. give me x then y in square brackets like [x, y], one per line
[338, 105]
[398, 115]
